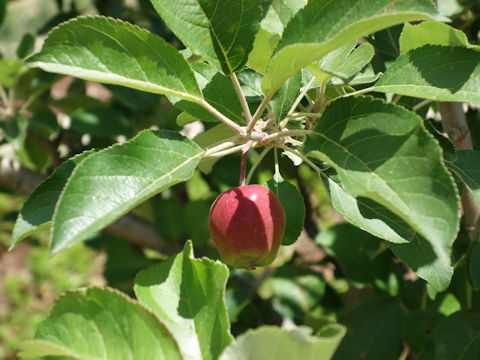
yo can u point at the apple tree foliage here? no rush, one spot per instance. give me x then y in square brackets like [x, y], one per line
[335, 90]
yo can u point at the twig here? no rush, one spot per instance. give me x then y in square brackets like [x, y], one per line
[303, 157]
[243, 162]
[257, 162]
[258, 113]
[222, 153]
[241, 97]
[3, 96]
[300, 96]
[237, 128]
[421, 104]
[281, 134]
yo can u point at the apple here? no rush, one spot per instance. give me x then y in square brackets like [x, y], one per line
[247, 225]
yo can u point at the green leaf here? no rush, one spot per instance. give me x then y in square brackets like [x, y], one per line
[370, 216]
[408, 176]
[376, 219]
[263, 48]
[277, 17]
[284, 98]
[221, 31]
[375, 331]
[188, 295]
[430, 33]
[217, 90]
[474, 265]
[101, 324]
[26, 46]
[294, 207]
[322, 26]
[440, 73]
[115, 52]
[466, 166]
[455, 338]
[269, 342]
[359, 253]
[9, 70]
[111, 182]
[344, 62]
[213, 136]
[37, 211]
[15, 131]
[100, 121]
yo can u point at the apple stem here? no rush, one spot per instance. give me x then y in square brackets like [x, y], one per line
[243, 162]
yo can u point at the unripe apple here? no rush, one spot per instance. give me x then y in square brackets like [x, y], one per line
[247, 225]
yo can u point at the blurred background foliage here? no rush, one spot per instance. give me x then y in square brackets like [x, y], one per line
[334, 272]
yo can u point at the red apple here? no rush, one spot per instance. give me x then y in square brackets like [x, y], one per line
[247, 225]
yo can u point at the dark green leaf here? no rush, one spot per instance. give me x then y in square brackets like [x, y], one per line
[374, 331]
[101, 324]
[218, 91]
[102, 121]
[188, 295]
[474, 265]
[221, 31]
[467, 167]
[441, 73]
[284, 98]
[108, 184]
[359, 252]
[115, 52]
[455, 338]
[26, 46]
[294, 207]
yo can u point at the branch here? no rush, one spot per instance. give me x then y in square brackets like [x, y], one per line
[455, 125]
[130, 227]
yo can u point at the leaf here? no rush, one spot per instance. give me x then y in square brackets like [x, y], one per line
[221, 31]
[101, 324]
[37, 211]
[111, 182]
[370, 216]
[440, 73]
[382, 152]
[455, 338]
[269, 342]
[9, 70]
[115, 52]
[284, 98]
[344, 62]
[374, 331]
[26, 45]
[277, 17]
[263, 48]
[294, 207]
[322, 26]
[188, 295]
[474, 265]
[430, 33]
[217, 90]
[404, 242]
[428, 260]
[466, 166]
[359, 253]
[100, 121]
